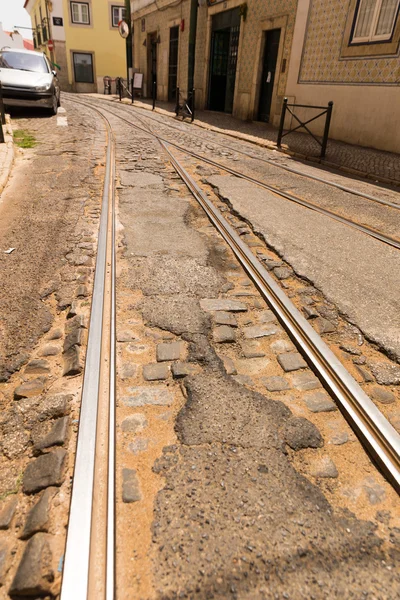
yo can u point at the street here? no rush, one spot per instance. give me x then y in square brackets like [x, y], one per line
[238, 472]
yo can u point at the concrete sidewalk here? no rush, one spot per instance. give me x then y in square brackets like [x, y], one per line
[6, 154]
[357, 160]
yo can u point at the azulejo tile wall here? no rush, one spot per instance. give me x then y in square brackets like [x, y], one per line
[321, 60]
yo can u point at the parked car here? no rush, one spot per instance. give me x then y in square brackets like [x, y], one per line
[28, 80]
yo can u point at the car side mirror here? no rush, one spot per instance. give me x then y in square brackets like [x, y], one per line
[54, 73]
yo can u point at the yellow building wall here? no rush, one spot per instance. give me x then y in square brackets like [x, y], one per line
[98, 38]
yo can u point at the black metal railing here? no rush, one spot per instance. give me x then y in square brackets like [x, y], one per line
[290, 108]
[185, 107]
[2, 116]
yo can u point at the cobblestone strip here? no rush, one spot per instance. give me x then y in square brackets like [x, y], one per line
[41, 404]
[6, 154]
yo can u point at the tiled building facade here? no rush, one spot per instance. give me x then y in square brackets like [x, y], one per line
[347, 51]
[242, 52]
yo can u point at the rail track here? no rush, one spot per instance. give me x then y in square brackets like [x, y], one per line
[372, 232]
[89, 566]
[273, 163]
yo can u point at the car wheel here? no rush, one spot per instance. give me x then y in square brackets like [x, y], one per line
[54, 105]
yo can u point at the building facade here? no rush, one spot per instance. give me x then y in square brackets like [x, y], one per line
[242, 51]
[347, 51]
[85, 39]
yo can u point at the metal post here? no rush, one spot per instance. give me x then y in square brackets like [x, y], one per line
[177, 102]
[193, 100]
[326, 130]
[284, 106]
[154, 93]
[132, 89]
[120, 88]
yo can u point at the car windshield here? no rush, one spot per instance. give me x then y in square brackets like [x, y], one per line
[23, 62]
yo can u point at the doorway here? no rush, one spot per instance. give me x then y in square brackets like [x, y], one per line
[223, 60]
[151, 64]
[173, 62]
[271, 49]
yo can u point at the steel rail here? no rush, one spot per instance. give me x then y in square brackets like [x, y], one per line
[76, 571]
[379, 437]
[339, 186]
[390, 241]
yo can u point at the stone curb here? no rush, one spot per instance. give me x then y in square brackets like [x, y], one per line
[7, 163]
[272, 146]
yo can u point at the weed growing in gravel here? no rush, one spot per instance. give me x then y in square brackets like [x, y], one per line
[23, 139]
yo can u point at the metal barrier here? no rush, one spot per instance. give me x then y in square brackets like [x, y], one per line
[3, 116]
[326, 110]
[154, 92]
[107, 84]
[186, 107]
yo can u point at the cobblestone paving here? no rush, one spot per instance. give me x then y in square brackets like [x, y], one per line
[375, 163]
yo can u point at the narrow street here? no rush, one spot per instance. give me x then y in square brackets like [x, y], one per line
[239, 473]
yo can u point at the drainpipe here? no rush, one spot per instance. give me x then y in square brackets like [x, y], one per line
[192, 43]
[129, 41]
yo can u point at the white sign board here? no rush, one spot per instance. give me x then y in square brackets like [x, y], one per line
[137, 81]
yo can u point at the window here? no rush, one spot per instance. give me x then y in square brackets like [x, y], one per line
[80, 13]
[118, 13]
[375, 20]
[83, 67]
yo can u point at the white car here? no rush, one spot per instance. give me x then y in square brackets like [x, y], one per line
[27, 79]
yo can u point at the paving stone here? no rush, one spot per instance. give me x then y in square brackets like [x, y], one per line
[169, 351]
[319, 402]
[340, 438]
[366, 375]
[222, 317]
[134, 423]
[252, 350]
[74, 338]
[38, 518]
[226, 287]
[139, 445]
[45, 471]
[324, 467]
[37, 367]
[34, 575]
[128, 370]
[291, 361]
[310, 312]
[7, 512]
[272, 264]
[281, 346]
[301, 433]
[182, 369]
[224, 334]
[305, 380]
[72, 362]
[130, 486]
[55, 335]
[243, 380]
[275, 384]
[258, 331]
[50, 407]
[383, 396]
[155, 372]
[57, 436]
[360, 360]
[229, 365]
[386, 373]
[282, 272]
[82, 292]
[4, 562]
[350, 349]
[323, 325]
[143, 396]
[225, 304]
[50, 350]
[375, 492]
[127, 336]
[266, 316]
[29, 389]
